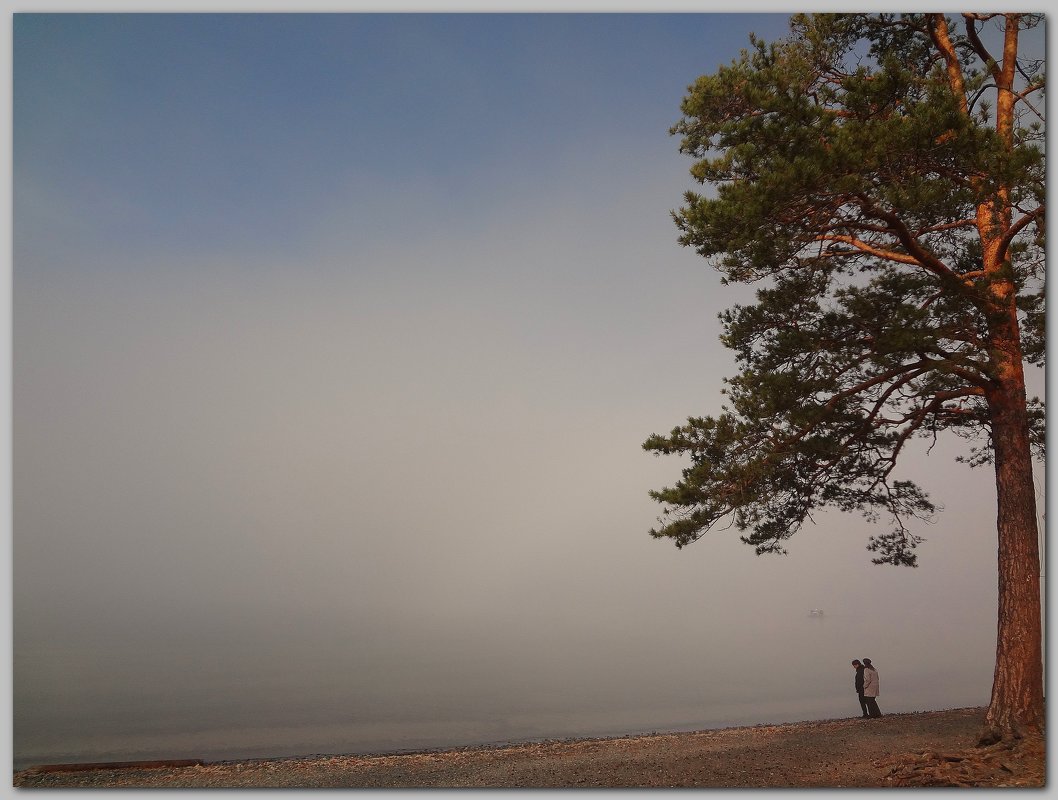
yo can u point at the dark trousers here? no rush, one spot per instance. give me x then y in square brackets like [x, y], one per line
[872, 707]
[863, 704]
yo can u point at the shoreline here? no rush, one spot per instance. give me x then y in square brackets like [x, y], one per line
[496, 745]
[849, 752]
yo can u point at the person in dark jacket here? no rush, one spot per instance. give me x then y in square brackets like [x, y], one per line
[870, 688]
[858, 683]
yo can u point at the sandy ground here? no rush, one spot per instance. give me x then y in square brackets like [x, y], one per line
[927, 748]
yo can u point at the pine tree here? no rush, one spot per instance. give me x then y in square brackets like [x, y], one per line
[882, 178]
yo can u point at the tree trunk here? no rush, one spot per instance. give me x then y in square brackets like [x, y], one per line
[1016, 707]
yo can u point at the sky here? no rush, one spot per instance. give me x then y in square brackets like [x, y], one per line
[336, 338]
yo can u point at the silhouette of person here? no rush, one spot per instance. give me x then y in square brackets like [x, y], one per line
[870, 688]
[858, 683]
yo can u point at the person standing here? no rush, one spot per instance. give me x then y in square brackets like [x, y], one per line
[858, 683]
[870, 688]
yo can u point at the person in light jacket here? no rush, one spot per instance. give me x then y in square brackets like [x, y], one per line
[870, 688]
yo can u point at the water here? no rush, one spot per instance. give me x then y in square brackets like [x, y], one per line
[256, 697]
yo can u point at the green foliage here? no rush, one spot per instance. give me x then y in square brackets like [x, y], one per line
[846, 175]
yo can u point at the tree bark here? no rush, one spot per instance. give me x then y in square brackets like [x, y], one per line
[1016, 706]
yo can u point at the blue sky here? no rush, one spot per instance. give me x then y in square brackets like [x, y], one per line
[335, 341]
[233, 130]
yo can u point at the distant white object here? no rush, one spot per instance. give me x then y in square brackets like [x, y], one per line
[816, 612]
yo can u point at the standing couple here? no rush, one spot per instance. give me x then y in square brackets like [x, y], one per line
[867, 687]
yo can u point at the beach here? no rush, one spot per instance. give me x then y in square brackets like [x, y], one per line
[934, 748]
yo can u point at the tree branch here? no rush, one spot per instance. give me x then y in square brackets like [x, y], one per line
[1016, 228]
[946, 366]
[948, 226]
[938, 32]
[920, 256]
[862, 247]
[978, 46]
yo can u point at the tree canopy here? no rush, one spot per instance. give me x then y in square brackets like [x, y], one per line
[881, 178]
[848, 176]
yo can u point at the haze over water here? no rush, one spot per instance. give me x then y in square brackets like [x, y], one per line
[336, 339]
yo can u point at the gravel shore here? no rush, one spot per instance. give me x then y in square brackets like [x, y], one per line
[926, 748]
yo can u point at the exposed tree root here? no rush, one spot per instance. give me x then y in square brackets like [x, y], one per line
[1011, 761]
